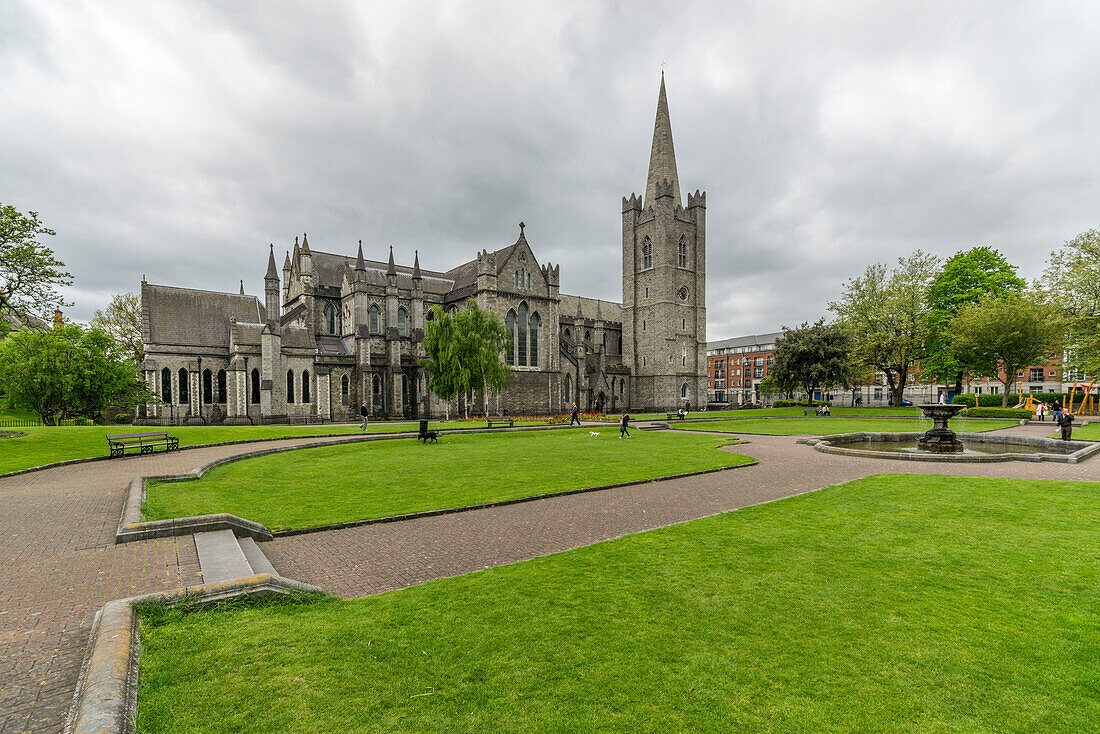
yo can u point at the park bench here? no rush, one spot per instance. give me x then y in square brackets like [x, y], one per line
[809, 411]
[670, 416]
[425, 435]
[146, 443]
[502, 419]
[305, 419]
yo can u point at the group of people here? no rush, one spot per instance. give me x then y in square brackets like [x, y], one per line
[1063, 418]
[824, 409]
[624, 422]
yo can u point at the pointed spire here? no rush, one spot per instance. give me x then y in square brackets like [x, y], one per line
[305, 245]
[662, 157]
[416, 266]
[391, 269]
[286, 261]
[272, 272]
[599, 312]
[579, 316]
[359, 263]
[242, 287]
[297, 250]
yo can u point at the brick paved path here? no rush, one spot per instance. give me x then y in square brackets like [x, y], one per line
[58, 563]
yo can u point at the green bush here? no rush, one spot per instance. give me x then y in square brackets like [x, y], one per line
[998, 413]
[123, 419]
[966, 399]
[799, 403]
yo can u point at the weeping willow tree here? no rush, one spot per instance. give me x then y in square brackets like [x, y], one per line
[464, 349]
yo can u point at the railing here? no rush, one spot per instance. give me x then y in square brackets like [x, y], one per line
[20, 422]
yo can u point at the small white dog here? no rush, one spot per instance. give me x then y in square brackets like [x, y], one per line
[593, 433]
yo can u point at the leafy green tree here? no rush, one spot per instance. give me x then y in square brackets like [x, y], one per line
[464, 349]
[1071, 285]
[29, 273]
[122, 320]
[812, 356]
[967, 277]
[886, 314]
[68, 371]
[1000, 335]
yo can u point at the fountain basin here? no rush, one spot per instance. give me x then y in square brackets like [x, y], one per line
[976, 447]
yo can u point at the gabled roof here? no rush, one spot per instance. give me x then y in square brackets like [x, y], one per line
[191, 317]
[591, 308]
[328, 270]
[751, 340]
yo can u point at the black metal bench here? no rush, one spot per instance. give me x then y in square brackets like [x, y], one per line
[146, 443]
[306, 419]
[501, 419]
[678, 416]
[425, 435]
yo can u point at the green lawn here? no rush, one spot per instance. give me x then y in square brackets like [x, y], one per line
[18, 415]
[772, 412]
[47, 444]
[313, 487]
[1091, 432]
[890, 604]
[824, 426]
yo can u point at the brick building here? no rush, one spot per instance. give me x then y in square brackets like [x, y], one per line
[736, 366]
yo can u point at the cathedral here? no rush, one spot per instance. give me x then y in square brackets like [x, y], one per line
[333, 330]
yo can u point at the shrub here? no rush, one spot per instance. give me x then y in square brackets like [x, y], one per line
[967, 400]
[998, 413]
[799, 403]
[123, 418]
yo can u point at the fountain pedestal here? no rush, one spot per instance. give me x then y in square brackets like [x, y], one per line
[940, 439]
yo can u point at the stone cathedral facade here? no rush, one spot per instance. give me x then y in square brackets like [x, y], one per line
[333, 330]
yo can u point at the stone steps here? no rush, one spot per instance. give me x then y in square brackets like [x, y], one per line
[223, 557]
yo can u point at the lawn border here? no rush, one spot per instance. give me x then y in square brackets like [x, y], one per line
[396, 434]
[105, 699]
[131, 527]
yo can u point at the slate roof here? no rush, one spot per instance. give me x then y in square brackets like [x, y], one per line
[328, 270]
[332, 345]
[466, 273]
[190, 317]
[609, 310]
[752, 340]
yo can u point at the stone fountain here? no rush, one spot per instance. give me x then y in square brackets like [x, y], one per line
[940, 439]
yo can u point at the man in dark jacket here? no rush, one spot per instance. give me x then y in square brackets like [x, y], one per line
[1065, 422]
[573, 416]
[623, 424]
[364, 411]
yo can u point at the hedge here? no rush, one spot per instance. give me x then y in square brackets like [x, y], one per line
[998, 413]
[798, 403]
[994, 401]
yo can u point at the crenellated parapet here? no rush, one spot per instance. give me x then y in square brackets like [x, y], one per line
[486, 263]
[633, 203]
[697, 199]
[552, 272]
[665, 189]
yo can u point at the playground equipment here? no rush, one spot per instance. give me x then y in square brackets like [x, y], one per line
[1088, 399]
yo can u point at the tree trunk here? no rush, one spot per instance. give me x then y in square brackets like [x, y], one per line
[1008, 387]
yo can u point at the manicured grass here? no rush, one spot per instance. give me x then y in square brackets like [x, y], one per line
[321, 486]
[47, 444]
[890, 604]
[772, 412]
[824, 426]
[1091, 432]
[17, 415]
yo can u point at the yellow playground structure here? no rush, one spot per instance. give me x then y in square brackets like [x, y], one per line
[1087, 395]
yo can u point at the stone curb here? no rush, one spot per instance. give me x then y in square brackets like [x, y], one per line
[825, 445]
[131, 527]
[359, 436]
[105, 700]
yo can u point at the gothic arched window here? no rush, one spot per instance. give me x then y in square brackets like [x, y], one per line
[330, 319]
[521, 332]
[207, 387]
[682, 252]
[372, 321]
[534, 332]
[510, 350]
[344, 399]
[185, 393]
[684, 390]
[622, 388]
[305, 386]
[647, 253]
[223, 394]
[402, 320]
[568, 388]
[289, 386]
[255, 387]
[166, 385]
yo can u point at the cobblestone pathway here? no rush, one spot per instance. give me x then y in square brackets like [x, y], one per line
[58, 562]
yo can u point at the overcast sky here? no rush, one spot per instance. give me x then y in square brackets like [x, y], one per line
[179, 139]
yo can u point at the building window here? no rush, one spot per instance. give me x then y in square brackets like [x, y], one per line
[647, 291]
[1036, 374]
[684, 390]
[305, 386]
[647, 254]
[330, 319]
[223, 394]
[643, 360]
[622, 388]
[683, 324]
[402, 319]
[758, 362]
[878, 393]
[587, 335]
[185, 393]
[568, 335]
[1052, 373]
[534, 334]
[255, 387]
[568, 388]
[290, 386]
[376, 390]
[372, 321]
[166, 385]
[682, 252]
[643, 324]
[758, 372]
[207, 387]
[521, 332]
[345, 399]
[510, 350]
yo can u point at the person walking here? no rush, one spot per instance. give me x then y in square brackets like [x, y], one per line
[1041, 411]
[364, 410]
[1056, 411]
[1065, 422]
[573, 416]
[623, 424]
